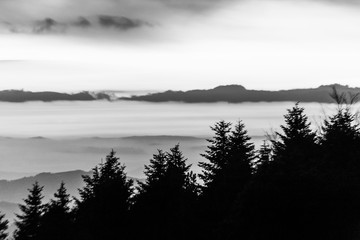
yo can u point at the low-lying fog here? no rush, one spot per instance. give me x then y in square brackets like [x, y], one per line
[61, 136]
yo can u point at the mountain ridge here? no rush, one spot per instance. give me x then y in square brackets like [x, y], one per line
[18, 96]
[238, 93]
[12, 192]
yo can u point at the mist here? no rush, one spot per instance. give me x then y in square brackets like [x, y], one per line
[62, 136]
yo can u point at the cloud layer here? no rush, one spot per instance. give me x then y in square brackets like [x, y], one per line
[50, 25]
[58, 16]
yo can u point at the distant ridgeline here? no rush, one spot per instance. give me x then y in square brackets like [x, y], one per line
[237, 94]
[24, 96]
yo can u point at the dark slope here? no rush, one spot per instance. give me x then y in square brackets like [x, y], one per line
[24, 96]
[237, 94]
[15, 190]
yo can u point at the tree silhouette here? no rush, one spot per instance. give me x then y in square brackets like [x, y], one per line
[103, 210]
[294, 149]
[216, 153]
[228, 170]
[154, 172]
[340, 171]
[28, 222]
[263, 158]
[274, 204]
[3, 227]
[167, 198]
[56, 222]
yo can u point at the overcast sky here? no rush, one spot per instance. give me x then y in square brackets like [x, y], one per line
[68, 45]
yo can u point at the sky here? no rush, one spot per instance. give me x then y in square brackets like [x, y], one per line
[68, 45]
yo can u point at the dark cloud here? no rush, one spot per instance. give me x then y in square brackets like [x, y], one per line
[122, 23]
[62, 15]
[82, 22]
[99, 15]
[48, 25]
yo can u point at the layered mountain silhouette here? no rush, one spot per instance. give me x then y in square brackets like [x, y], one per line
[24, 96]
[14, 191]
[238, 94]
[228, 93]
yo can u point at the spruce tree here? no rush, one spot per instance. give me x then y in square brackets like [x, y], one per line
[339, 172]
[103, 210]
[154, 172]
[28, 222]
[56, 222]
[228, 170]
[295, 148]
[217, 152]
[340, 132]
[275, 203]
[166, 199]
[264, 156]
[238, 168]
[4, 224]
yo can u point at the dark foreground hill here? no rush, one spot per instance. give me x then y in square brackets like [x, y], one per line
[24, 96]
[238, 94]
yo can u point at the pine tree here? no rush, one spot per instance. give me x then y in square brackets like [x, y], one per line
[3, 227]
[241, 157]
[154, 172]
[228, 170]
[274, 204]
[229, 165]
[295, 148]
[28, 222]
[166, 200]
[339, 171]
[264, 156]
[103, 210]
[177, 169]
[217, 152]
[340, 131]
[56, 222]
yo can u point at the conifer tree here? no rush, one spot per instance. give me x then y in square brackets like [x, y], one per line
[296, 147]
[28, 222]
[340, 130]
[228, 170]
[177, 169]
[56, 222]
[167, 198]
[264, 156]
[229, 165]
[297, 137]
[339, 172]
[217, 152]
[4, 224]
[240, 160]
[103, 210]
[154, 172]
[273, 206]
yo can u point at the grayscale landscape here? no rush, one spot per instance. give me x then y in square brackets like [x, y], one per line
[179, 119]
